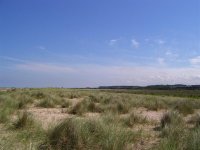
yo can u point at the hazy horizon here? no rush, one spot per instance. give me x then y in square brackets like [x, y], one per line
[49, 43]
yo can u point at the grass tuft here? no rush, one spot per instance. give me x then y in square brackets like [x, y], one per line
[195, 120]
[38, 95]
[47, 103]
[169, 118]
[133, 119]
[185, 107]
[24, 120]
[88, 134]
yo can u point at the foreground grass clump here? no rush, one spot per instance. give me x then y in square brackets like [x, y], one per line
[152, 103]
[81, 134]
[172, 131]
[47, 103]
[38, 95]
[78, 109]
[73, 94]
[176, 136]
[24, 133]
[171, 118]
[184, 106]
[192, 141]
[24, 120]
[8, 107]
[84, 106]
[5, 114]
[65, 103]
[133, 119]
[195, 119]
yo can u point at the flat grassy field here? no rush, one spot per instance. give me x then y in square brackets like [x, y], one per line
[81, 119]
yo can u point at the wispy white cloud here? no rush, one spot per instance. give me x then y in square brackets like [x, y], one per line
[134, 75]
[171, 55]
[195, 61]
[161, 61]
[41, 47]
[135, 43]
[43, 67]
[147, 40]
[160, 41]
[168, 53]
[12, 59]
[95, 75]
[113, 42]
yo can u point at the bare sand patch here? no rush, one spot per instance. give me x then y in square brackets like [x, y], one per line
[150, 114]
[48, 116]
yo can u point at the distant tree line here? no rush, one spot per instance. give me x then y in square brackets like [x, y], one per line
[155, 87]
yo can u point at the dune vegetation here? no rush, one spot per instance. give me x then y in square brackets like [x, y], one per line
[82, 119]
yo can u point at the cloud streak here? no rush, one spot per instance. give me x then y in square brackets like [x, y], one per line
[82, 75]
[160, 41]
[41, 47]
[195, 61]
[113, 42]
[44, 68]
[135, 43]
[96, 75]
[12, 59]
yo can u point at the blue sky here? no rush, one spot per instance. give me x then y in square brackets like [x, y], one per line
[80, 43]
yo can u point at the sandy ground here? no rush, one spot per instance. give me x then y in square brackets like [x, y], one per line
[149, 114]
[48, 116]
[52, 116]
